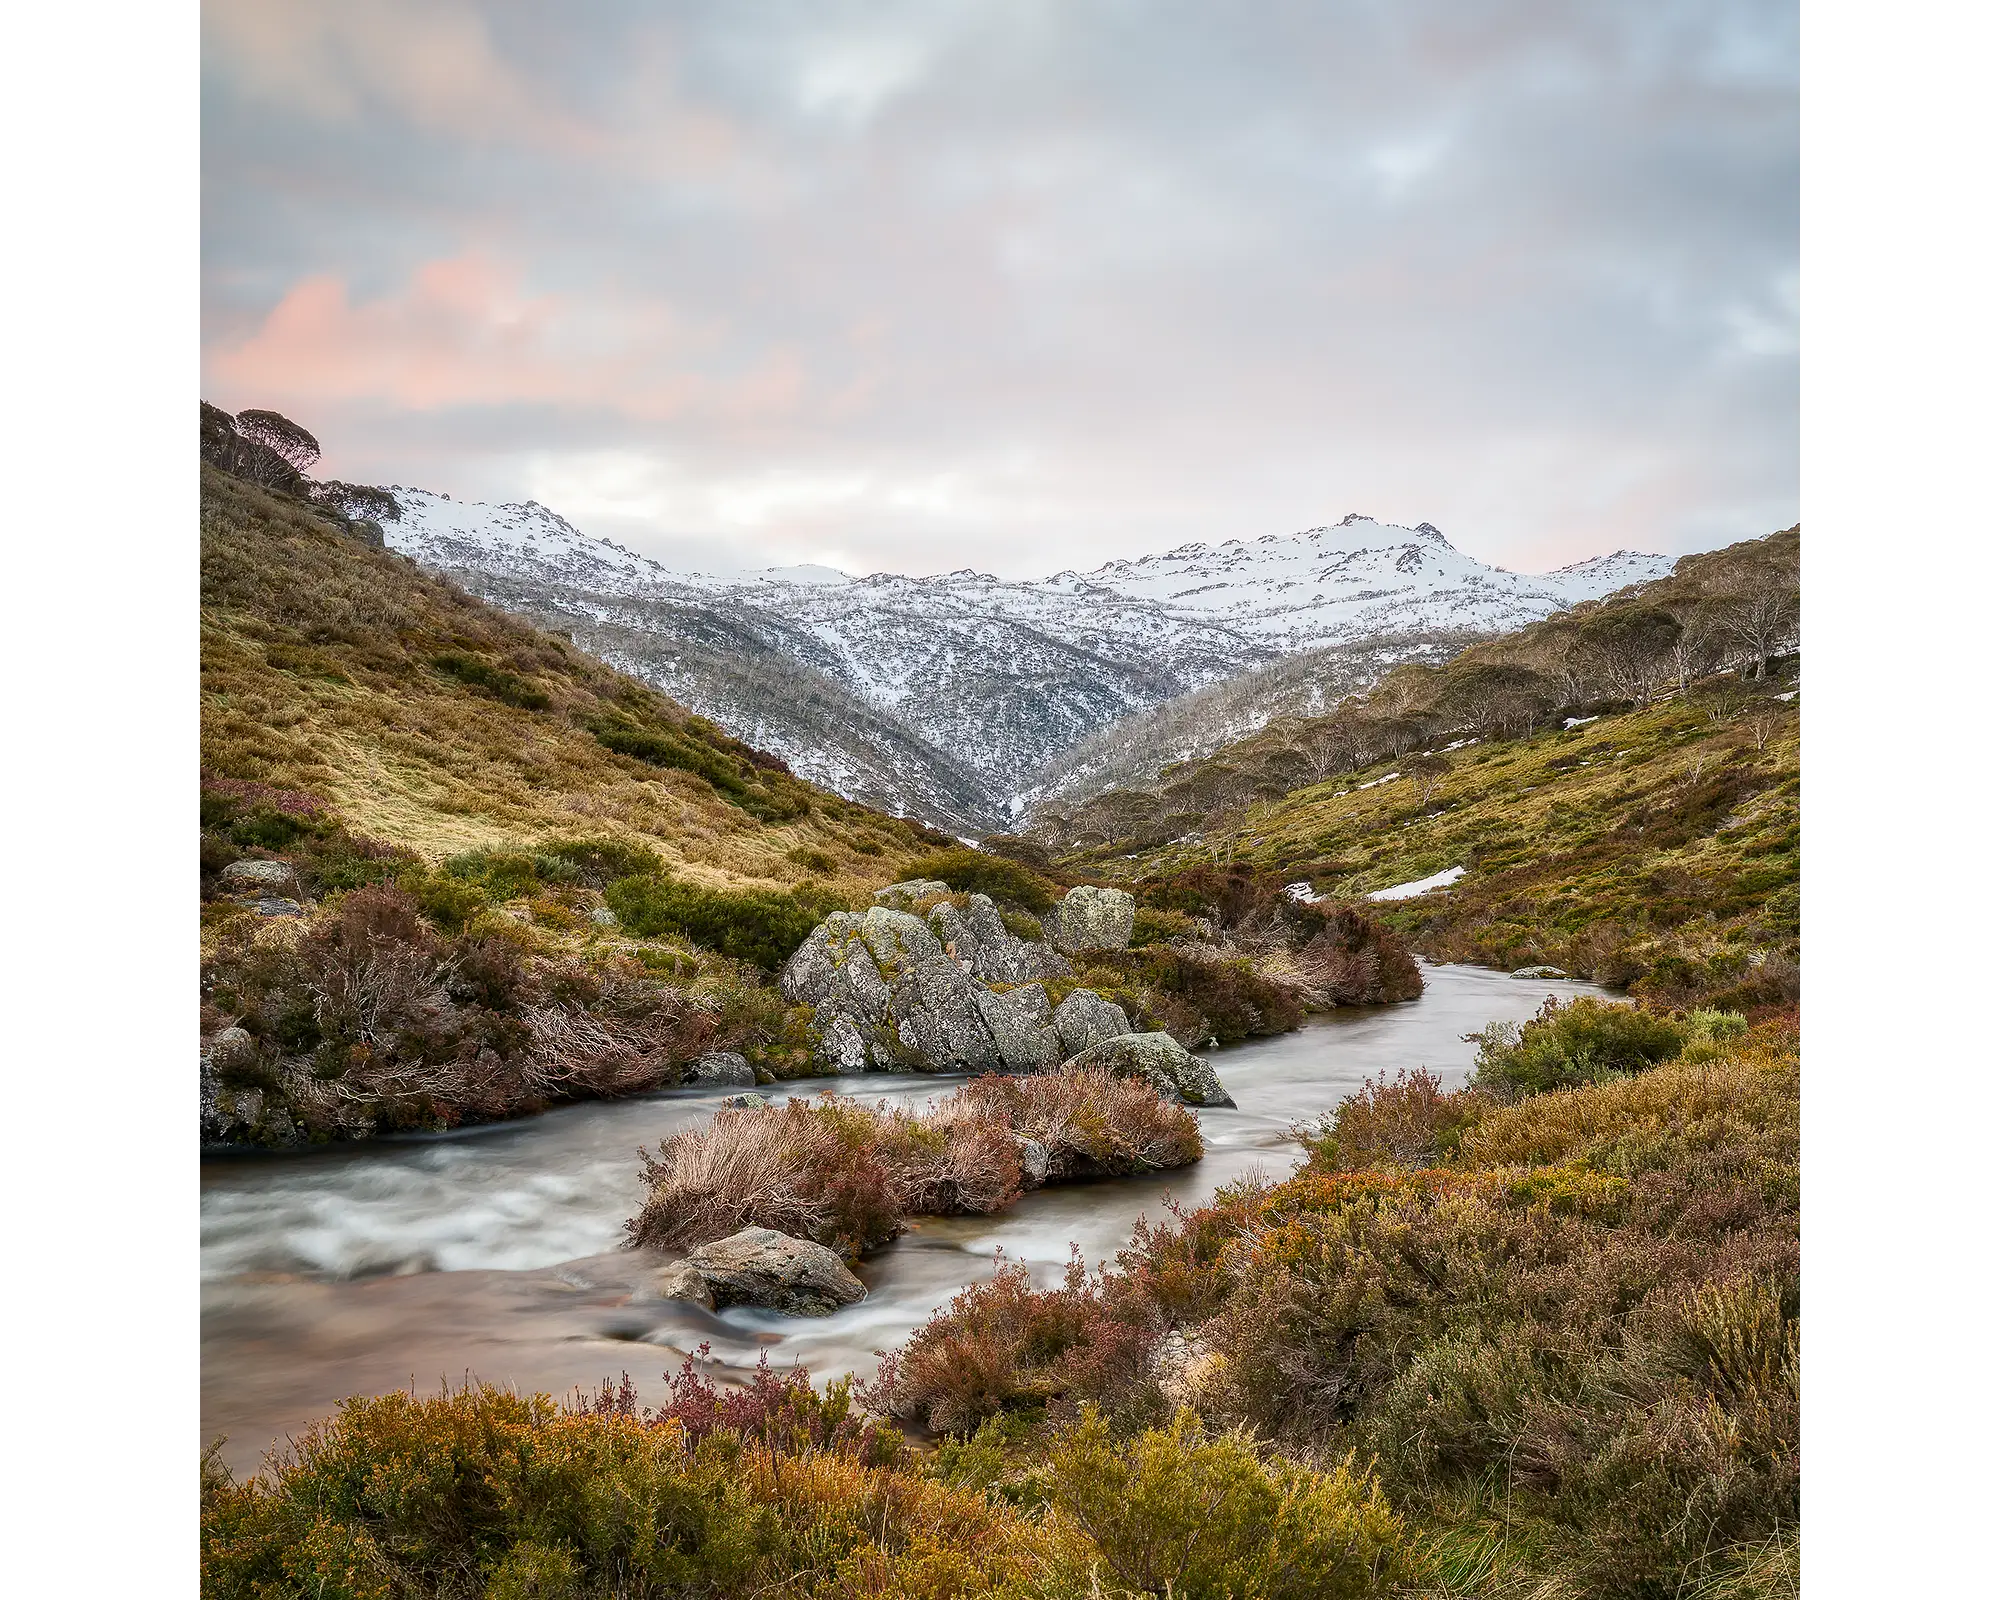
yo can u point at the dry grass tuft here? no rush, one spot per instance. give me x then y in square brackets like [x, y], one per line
[847, 1175]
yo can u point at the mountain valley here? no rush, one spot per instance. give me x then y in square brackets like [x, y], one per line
[962, 699]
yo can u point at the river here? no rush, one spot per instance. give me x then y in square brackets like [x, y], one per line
[494, 1252]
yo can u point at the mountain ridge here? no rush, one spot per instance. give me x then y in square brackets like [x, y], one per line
[949, 696]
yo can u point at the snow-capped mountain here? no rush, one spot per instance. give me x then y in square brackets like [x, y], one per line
[945, 696]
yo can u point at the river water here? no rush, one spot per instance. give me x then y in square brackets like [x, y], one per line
[495, 1252]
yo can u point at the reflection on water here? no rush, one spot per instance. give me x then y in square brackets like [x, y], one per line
[496, 1252]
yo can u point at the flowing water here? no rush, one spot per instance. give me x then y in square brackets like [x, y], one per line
[494, 1252]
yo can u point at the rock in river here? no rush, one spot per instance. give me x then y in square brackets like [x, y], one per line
[891, 991]
[762, 1267]
[723, 1068]
[1176, 1073]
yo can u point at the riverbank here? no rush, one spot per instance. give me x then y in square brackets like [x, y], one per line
[495, 1251]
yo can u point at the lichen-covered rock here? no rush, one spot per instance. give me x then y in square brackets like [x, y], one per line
[1022, 1024]
[744, 1102]
[683, 1281]
[976, 938]
[723, 1068]
[935, 1009]
[912, 892]
[257, 878]
[896, 937]
[842, 1048]
[763, 1267]
[1159, 1058]
[232, 1049]
[1090, 918]
[1034, 1160]
[1182, 1364]
[274, 907]
[1536, 972]
[891, 992]
[1085, 1017]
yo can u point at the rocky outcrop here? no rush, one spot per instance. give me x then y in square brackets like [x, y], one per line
[976, 938]
[1022, 1024]
[762, 1267]
[722, 1069]
[911, 893]
[257, 879]
[1090, 918]
[894, 992]
[1085, 1017]
[1159, 1058]
[235, 1109]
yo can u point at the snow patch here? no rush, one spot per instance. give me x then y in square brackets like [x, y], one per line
[1417, 886]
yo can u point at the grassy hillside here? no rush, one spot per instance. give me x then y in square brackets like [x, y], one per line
[1618, 785]
[1657, 848]
[433, 721]
[440, 797]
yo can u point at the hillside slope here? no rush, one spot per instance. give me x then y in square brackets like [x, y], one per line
[432, 720]
[1613, 791]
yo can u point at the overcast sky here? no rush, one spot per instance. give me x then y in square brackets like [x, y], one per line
[1020, 285]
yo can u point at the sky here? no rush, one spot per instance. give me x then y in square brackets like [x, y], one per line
[1021, 285]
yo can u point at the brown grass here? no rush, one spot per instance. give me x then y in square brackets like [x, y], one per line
[317, 676]
[847, 1175]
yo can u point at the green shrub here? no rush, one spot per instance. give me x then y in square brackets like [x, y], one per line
[974, 872]
[763, 926]
[500, 875]
[1564, 1046]
[1158, 927]
[502, 685]
[449, 901]
[1022, 926]
[600, 861]
[768, 798]
[1199, 1518]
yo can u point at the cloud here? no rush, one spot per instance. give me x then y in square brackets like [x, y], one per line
[1028, 286]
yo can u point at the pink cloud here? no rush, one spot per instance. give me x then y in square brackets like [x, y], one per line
[463, 333]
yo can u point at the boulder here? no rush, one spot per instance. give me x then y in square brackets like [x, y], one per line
[976, 938]
[744, 1102]
[683, 1281]
[1159, 1058]
[886, 996]
[1034, 1160]
[1089, 918]
[934, 1008]
[903, 896]
[723, 1068]
[231, 1050]
[1021, 1022]
[257, 878]
[1181, 1363]
[1085, 1017]
[1537, 972]
[895, 938]
[891, 992]
[762, 1267]
[280, 908]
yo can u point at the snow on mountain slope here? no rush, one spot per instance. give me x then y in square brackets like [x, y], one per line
[945, 695]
